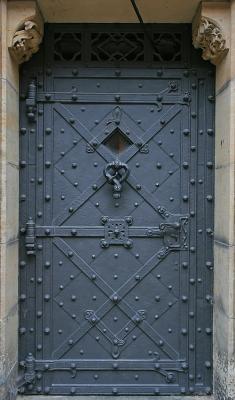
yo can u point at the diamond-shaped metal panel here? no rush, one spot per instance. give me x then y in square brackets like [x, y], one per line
[117, 142]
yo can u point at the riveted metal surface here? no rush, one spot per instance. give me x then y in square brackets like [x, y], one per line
[116, 260]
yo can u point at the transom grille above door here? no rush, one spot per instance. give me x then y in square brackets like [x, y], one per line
[117, 153]
[125, 44]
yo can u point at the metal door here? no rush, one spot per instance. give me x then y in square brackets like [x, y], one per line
[116, 213]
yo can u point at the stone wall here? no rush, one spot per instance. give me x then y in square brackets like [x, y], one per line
[9, 155]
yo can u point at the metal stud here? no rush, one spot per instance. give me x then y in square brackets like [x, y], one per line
[191, 314]
[115, 298]
[209, 265]
[47, 264]
[22, 264]
[23, 164]
[22, 197]
[22, 297]
[210, 131]
[23, 131]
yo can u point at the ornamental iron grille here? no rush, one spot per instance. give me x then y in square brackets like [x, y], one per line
[116, 199]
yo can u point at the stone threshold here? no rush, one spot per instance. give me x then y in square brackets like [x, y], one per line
[115, 397]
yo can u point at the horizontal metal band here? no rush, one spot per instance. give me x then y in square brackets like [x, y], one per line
[94, 98]
[132, 365]
[93, 231]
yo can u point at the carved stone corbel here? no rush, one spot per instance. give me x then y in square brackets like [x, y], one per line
[25, 41]
[209, 37]
[25, 30]
[208, 34]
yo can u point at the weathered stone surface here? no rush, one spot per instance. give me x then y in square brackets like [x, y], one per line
[225, 166]
[12, 209]
[111, 11]
[9, 298]
[224, 371]
[9, 355]
[12, 125]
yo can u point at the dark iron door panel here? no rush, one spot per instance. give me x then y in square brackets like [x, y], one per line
[117, 230]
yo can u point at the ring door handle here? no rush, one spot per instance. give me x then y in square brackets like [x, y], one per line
[116, 172]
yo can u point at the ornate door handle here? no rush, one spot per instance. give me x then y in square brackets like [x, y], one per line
[116, 172]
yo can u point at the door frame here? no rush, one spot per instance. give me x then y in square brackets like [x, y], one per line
[224, 310]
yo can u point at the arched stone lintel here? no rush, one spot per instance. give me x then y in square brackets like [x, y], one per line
[25, 29]
[209, 33]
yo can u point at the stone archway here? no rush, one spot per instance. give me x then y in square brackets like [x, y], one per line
[22, 30]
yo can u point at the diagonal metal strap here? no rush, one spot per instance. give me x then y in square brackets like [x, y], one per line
[148, 197]
[76, 204]
[85, 133]
[91, 316]
[107, 306]
[152, 131]
[147, 329]
[124, 123]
